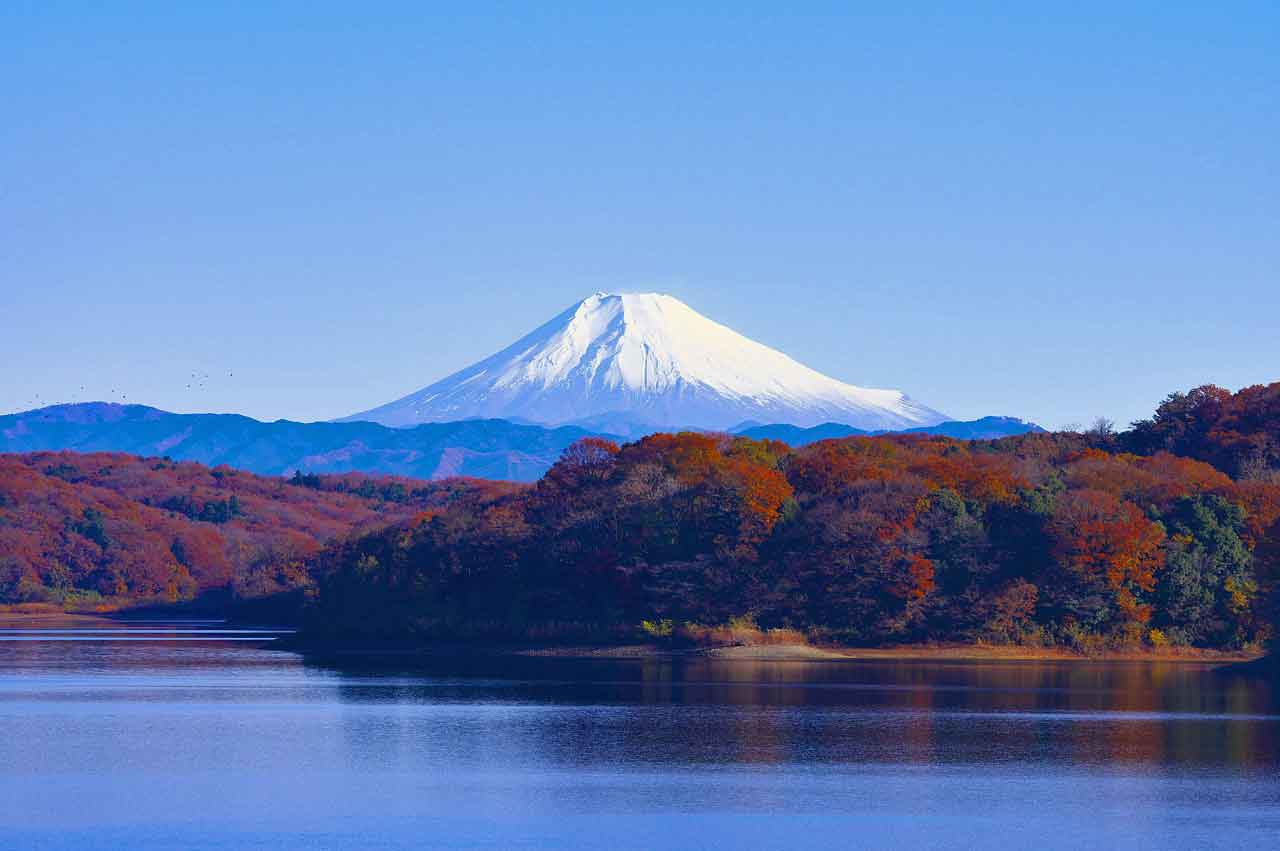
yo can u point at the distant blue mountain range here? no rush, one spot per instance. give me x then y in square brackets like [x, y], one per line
[493, 449]
[987, 428]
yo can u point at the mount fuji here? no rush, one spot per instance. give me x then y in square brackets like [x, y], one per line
[647, 360]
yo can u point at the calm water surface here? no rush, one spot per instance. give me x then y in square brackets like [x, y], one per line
[193, 736]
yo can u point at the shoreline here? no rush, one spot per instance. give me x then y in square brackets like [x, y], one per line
[762, 652]
[395, 648]
[922, 652]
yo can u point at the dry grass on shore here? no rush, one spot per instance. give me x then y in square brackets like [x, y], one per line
[47, 616]
[799, 651]
[738, 640]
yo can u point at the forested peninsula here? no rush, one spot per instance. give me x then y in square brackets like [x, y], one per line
[1163, 535]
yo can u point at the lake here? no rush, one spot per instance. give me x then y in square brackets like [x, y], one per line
[188, 735]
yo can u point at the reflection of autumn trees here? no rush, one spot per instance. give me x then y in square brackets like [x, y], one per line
[931, 714]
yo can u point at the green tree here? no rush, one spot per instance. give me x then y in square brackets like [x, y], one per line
[1208, 586]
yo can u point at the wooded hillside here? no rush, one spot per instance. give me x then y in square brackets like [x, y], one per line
[1069, 539]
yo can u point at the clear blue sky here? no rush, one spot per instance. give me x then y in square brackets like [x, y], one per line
[999, 209]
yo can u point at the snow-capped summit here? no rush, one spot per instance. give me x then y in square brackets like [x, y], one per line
[650, 358]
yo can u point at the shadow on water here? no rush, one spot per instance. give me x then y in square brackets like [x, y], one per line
[708, 711]
[194, 734]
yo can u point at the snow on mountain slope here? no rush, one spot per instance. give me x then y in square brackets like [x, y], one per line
[653, 358]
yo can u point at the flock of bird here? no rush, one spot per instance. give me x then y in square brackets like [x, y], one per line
[198, 381]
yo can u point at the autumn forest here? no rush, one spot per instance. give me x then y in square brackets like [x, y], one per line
[1167, 533]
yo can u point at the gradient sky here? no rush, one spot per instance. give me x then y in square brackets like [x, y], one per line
[1000, 210]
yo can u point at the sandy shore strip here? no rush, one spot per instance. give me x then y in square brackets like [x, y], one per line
[15, 618]
[948, 652]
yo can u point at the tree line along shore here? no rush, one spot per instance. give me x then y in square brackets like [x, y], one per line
[1161, 541]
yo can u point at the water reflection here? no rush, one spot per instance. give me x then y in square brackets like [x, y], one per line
[189, 738]
[706, 711]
